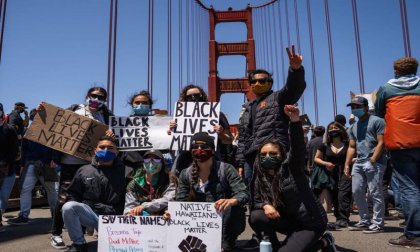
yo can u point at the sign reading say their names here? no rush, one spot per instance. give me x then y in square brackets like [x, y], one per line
[193, 117]
[141, 133]
[66, 131]
[132, 233]
[194, 226]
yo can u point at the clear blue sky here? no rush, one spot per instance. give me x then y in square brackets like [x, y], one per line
[55, 50]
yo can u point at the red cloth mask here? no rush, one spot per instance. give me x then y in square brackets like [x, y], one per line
[202, 155]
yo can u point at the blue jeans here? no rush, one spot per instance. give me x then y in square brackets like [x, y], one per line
[407, 171]
[5, 190]
[395, 186]
[76, 215]
[29, 180]
[368, 175]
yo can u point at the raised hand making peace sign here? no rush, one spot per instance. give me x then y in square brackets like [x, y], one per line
[295, 60]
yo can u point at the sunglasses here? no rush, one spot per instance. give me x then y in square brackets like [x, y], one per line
[270, 154]
[201, 146]
[155, 160]
[99, 97]
[191, 96]
[261, 81]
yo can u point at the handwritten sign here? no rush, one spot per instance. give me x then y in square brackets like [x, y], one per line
[194, 226]
[132, 233]
[141, 133]
[66, 131]
[193, 117]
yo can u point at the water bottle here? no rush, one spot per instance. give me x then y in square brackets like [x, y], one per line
[265, 245]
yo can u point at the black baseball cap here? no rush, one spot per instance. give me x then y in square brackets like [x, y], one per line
[203, 137]
[153, 152]
[358, 100]
[21, 104]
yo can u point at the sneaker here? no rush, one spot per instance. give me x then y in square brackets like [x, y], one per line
[20, 220]
[342, 224]
[331, 226]
[330, 242]
[57, 242]
[252, 244]
[406, 241]
[359, 226]
[78, 248]
[373, 229]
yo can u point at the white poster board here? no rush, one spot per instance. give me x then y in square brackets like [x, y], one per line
[132, 233]
[141, 133]
[193, 117]
[194, 226]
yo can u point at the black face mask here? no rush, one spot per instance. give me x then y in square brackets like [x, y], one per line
[334, 133]
[268, 163]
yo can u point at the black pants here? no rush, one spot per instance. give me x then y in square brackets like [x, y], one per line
[66, 176]
[233, 225]
[344, 198]
[298, 238]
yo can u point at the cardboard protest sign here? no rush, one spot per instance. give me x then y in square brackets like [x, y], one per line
[141, 133]
[193, 117]
[194, 226]
[66, 131]
[132, 233]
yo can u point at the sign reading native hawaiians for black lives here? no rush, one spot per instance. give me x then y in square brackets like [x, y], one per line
[132, 233]
[141, 133]
[66, 131]
[193, 117]
[194, 226]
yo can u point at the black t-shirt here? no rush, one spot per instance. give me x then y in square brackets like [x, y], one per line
[336, 158]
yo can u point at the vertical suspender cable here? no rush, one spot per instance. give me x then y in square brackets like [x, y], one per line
[150, 48]
[358, 48]
[180, 46]
[193, 43]
[3, 20]
[404, 24]
[281, 46]
[111, 18]
[114, 53]
[286, 12]
[331, 56]
[169, 82]
[271, 38]
[311, 42]
[268, 41]
[187, 16]
[302, 99]
[276, 53]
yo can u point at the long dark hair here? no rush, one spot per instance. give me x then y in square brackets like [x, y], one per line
[140, 93]
[100, 89]
[269, 191]
[194, 180]
[343, 133]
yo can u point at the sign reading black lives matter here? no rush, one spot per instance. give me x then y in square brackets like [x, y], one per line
[194, 226]
[66, 131]
[193, 117]
[141, 133]
[132, 233]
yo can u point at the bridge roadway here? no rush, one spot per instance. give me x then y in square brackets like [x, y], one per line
[34, 237]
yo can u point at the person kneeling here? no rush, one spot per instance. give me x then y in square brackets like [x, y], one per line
[96, 189]
[281, 198]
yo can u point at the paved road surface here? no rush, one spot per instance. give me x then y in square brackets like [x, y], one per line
[34, 237]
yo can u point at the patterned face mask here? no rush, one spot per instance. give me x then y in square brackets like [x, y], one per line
[152, 167]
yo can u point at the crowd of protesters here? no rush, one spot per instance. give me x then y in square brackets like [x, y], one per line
[288, 182]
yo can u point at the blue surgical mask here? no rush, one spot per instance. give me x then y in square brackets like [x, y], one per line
[152, 167]
[141, 110]
[105, 155]
[358, 112]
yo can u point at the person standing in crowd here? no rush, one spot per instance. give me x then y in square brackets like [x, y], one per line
[331, 158]
[94, 108]
[194, 93]
[96, 189]
[38, 165]
[263, 118]
[281, 199]
[398, 102]
[9, 149]
[15, 120]
[210, 180]
[340, 119]
[314, 144]
[151, 189]
[366, 139]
